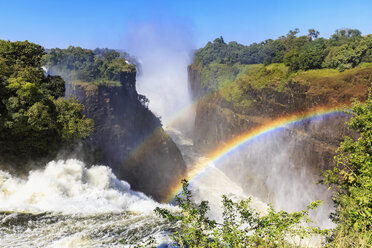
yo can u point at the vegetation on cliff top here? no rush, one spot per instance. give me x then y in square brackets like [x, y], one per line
[101, 66]
[345, 49]
[35, 121]
[239, 73]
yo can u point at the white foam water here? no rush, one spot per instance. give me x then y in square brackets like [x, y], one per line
[67, 204]
[213, 184]
[216, 181]
[69, 187]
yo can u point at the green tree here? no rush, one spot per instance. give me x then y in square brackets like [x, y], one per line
[35, 121]
[292, 59]
[72, 123]
[111, 55]
[76, 63]
[351, 177]
[344, 57]
[345, 35]
[312, 34]
[312, 55]
[366, 45]
[242, 226]
[21, 53]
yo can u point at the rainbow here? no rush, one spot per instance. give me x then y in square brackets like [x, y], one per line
[236, 143]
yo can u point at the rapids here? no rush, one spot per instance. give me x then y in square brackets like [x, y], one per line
[69, 205]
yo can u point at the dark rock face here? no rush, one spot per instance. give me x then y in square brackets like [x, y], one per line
[129, 138]
[216, 121]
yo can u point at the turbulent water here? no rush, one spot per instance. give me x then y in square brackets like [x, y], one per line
[69, 205]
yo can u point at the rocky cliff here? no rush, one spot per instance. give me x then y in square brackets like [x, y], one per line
[221, 116]
[128, 136]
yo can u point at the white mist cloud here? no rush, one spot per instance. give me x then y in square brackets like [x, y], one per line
[278, 169]
[164, 49]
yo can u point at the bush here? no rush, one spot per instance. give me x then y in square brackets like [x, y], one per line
[242, 226]
[34, 118]
[344, 57]
[76, 63]
[292, 60]
[351, 177]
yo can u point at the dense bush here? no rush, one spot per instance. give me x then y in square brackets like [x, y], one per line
[351, 178]
[242, 225]
[345, 49]
[344, 57]
[76, 63]
[269, 51]
[34, 120]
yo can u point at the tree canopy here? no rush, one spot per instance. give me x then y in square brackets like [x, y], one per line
[76, 63]
[345, 49]
[34, 118]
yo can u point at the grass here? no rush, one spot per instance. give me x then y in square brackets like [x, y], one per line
[336, 85]
[235, 83]
[255, 76]
[216, 75]
[364, 65]
[353, 239]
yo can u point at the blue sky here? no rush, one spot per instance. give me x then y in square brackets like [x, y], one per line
[108, 23]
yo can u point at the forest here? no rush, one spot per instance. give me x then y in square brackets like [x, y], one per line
[36, 121]
[345, 49]
[99, 66]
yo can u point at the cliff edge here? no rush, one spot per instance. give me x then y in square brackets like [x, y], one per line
[128, 137]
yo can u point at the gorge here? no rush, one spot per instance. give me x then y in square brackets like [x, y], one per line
[101, 190]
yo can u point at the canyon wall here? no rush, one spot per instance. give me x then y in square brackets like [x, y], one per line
[218, 120]
[128, 137]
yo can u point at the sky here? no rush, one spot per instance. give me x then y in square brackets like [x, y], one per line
[110, 23]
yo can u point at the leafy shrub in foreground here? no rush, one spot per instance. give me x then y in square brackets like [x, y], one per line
[351, 179]
[242, 225]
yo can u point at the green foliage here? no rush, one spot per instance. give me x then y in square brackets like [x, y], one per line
[70, 118]
[78, 64]
[292, 42]
[235, 82]
[345, 49]
[344, 57]
[269, 51]
[366, 46]
[21, 54]
[34, 120]
[309, 56]
[345, 35]
[312, 55]
[292, 60]
[351, 177]
[351, 238]
[242, 226]
[216, 75]
[274, 51]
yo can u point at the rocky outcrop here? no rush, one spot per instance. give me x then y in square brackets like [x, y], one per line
[218, 120]
[128, 137]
